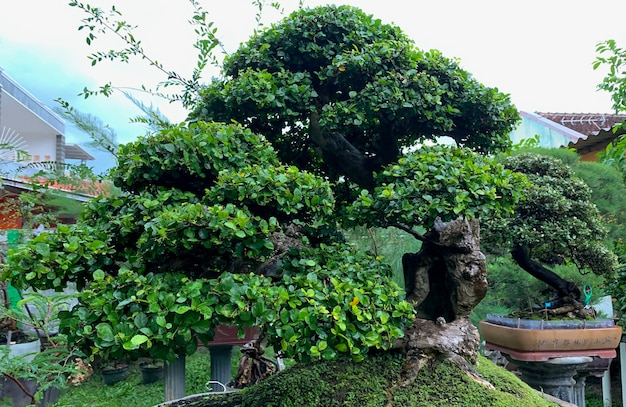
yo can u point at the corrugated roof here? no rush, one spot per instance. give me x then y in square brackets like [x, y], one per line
[551, 134]
[76, 152]
[597, 127]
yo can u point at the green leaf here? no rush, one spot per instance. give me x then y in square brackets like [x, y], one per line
[98, 275]
[139, 339]
[160, 320]
[105, 332]
[141, 320]
[43, 249]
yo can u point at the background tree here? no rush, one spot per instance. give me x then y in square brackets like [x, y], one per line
[557, 223]
[613, 57]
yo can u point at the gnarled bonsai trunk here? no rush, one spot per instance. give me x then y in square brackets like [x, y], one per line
[446, 279]
[564, 288]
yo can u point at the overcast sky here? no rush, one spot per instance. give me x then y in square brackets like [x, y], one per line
[539, 52]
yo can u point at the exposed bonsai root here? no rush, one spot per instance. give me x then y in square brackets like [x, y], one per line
[433, 342]
[466, 367]
[410, 371]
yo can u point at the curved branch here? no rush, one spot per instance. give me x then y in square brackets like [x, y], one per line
[563, 287]
[338, 153]
[429, 239]
[21, 386]
[413, 233]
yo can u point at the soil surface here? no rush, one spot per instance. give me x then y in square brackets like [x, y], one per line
[16, 336]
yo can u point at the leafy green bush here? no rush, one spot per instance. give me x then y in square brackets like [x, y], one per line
[243, 242]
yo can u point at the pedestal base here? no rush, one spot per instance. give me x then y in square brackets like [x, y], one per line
[555, 376]
[221, 370]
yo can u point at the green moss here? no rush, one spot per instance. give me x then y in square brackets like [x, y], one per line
[369, 383]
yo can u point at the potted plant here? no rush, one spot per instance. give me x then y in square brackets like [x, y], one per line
[151, 371]
[35, 361]
[114, 372]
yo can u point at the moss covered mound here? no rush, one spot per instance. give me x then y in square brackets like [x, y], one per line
[368, 384]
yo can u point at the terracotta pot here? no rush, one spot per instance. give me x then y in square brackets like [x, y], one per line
[227, 335]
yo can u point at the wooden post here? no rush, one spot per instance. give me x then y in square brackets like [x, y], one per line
[174, 377]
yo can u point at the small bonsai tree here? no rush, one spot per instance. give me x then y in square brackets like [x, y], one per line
[556, 223]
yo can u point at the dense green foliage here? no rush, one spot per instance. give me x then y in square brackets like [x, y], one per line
[243, 242]
[436, 182]
[335, 70]
[557, 220]
[605, 182]
[215, 226]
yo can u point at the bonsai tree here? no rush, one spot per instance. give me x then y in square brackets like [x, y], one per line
[555, 224]
[241, 223]
[339, 93]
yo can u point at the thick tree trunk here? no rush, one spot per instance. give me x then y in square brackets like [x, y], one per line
[564, 288]
[446, 279]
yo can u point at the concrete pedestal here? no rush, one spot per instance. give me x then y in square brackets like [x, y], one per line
[221, 370]
[556, 377]
[598, 368]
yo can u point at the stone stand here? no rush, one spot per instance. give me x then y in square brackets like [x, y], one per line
[579, 390]
[221, 370]
[174, 373]
[556, 377]
[597, 368]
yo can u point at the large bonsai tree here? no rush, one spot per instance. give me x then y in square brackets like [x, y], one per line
[217, 226]
[339, 93]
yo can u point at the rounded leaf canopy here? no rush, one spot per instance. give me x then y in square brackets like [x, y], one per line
[334, 72]
[437, 181]
[556, 219]
[212, 229]
[189, 158]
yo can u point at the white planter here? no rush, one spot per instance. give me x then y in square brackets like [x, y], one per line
[28, 349]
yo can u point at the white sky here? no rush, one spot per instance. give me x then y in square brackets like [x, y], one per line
[538, 51]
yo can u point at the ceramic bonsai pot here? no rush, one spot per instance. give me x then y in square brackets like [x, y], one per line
[542, 340]
[551, 355]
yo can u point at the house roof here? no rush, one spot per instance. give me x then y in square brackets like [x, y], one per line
[76, 152]
[15, 185]
[24, 112]
[595, 130]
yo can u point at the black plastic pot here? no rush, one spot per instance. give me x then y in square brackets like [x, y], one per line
[150, 373]
[112, 375]
[11, 391]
